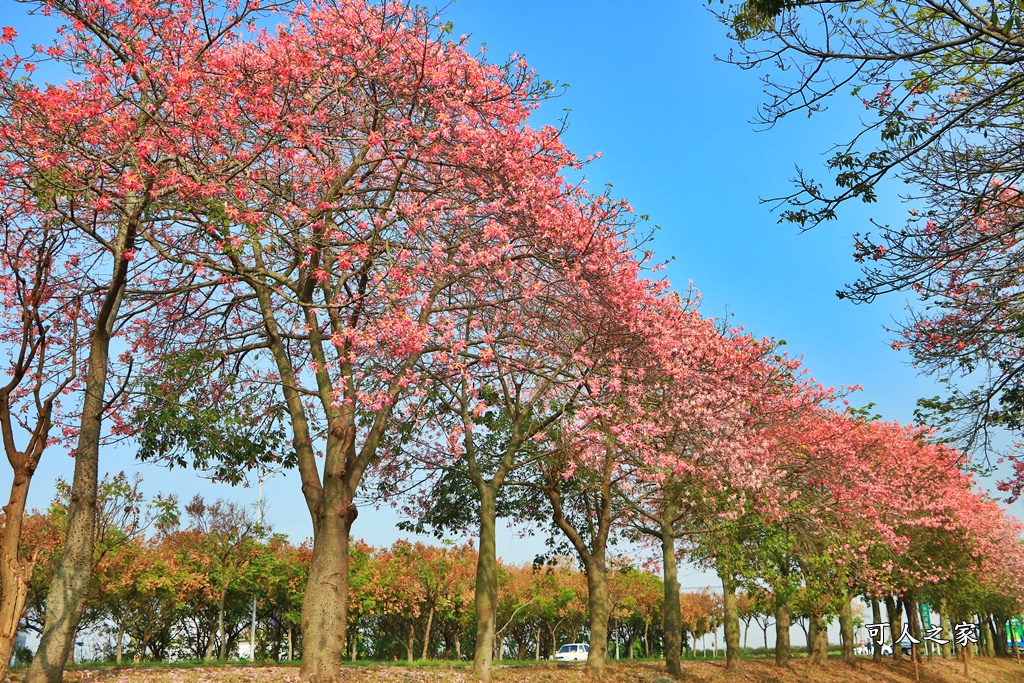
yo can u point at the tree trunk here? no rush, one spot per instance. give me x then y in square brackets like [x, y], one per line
[816, 654]
[783, 620]
[999, 623]
[732, 621]
[599, 605]
[486, 585]
[15, 572]
[355, 646]
[536, 653]
[119, 652]
[291, 652]
[426, 634]
[325, 606]
[593, 553]
[672, 618]
[330, 499]
[222, 652]
[913, 610]
[876, 618]
[65, 598]
[928, 645]
[846, 629]
[211, 643]
[894, 608]
[410, 643]
[944, 634]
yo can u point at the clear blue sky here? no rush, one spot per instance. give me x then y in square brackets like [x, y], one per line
[673, 127]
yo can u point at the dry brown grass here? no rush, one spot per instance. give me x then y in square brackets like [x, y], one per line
[763, 671]
[982, 670]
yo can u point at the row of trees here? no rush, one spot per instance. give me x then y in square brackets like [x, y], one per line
[168, 584]
[339, 247]
[171, 585]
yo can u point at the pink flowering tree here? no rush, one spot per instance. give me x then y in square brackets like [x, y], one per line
[517, 367]
[610, 440]
[95, 157]
[702, 436]
[371, 225]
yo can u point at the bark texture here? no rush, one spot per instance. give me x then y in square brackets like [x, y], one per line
[486, 586]
[783, 621]
[846, 630]
[944, 634]
[732, 620]
[15, 570]
[325, 606]
[599, 605]
[817, 639]
[894, 608]
[876, 618]
[672, 618]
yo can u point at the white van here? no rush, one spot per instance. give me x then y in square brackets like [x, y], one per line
[573, 652]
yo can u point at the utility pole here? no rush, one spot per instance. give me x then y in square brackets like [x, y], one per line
[259, 522]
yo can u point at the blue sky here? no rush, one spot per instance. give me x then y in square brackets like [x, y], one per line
[673, 126]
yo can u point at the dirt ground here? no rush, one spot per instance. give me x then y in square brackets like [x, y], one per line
[752, 671]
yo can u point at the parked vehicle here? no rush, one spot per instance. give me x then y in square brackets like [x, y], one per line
[886, 649]
[573, 652]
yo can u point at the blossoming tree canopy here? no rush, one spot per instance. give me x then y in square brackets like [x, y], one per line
[344, 190]
[95, 159]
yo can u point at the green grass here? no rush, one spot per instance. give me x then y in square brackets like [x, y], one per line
[128, 663]
[405, 662]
